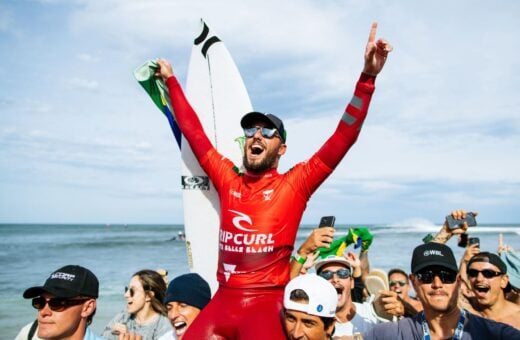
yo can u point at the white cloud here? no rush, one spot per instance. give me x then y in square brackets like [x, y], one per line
[442, 128]
[84, 83]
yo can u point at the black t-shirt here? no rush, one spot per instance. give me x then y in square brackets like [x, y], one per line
[475, 327]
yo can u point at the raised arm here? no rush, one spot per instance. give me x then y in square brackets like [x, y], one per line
[348, 129]
[184, 114]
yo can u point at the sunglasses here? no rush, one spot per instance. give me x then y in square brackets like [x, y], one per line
[56, 304]
[131, 290]
[397, 282]
[341, 273]
[487, 273]
[266, 132]
[428, 276]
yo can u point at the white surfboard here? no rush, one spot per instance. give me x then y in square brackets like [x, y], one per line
[217, 93]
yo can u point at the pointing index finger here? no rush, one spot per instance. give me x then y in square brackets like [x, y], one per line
[373, 31]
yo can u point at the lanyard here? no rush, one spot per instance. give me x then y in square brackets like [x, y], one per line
[458, 331]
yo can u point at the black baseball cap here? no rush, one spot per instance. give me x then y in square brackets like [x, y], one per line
[488, 257]
[67, 282]
[250, 118]
[433, 254]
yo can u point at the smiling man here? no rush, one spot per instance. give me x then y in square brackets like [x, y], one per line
[186, 296]
[436, 281]
[487, 274]
[66, 304]
[261, 209]
[351, 317]
[398, 282]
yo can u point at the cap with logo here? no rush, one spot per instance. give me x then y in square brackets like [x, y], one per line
[331, 259]
[67, 282]
[323, 298]
[252, 117]
[433, 254]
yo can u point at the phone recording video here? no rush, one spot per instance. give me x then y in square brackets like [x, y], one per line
[327, 221]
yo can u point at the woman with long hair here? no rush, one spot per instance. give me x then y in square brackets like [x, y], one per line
[145, 313]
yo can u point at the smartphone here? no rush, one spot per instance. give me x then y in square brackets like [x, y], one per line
[473, 240]
[327, 221]
[456, 224]
[463, 240]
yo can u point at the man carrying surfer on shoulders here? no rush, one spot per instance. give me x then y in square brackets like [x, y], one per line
[261, 209]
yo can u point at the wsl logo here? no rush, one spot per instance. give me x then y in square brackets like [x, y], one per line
[195, 183]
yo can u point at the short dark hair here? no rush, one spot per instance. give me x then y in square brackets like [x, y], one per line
[398, 271]
[299, 295]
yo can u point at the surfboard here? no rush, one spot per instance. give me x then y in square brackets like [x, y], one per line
[216, 91]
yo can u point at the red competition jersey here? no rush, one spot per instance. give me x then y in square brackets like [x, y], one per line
[260, 213]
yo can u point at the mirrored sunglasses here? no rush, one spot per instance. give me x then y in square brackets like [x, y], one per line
[265, 131]
[428, 276]
[56, 304]
[401, 283]
[487, 273]
[341, 273]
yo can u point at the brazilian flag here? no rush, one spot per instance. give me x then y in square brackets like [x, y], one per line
[158, 92]
[359, 237]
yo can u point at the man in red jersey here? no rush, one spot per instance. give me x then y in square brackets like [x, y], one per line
[261, 209]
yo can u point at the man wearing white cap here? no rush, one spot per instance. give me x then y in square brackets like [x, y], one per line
[309, 308]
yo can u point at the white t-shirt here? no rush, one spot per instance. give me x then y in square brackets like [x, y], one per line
[364, 319]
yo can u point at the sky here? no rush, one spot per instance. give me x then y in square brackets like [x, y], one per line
[80, 141]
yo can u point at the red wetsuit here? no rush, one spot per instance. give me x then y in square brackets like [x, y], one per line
[259, 219]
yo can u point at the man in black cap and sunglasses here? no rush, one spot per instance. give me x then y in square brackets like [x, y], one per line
[66, 304]
[436, 281]
[261, 209]
[487, 274]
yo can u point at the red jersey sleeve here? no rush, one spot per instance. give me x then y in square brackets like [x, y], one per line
[335, 148]
[187, 119]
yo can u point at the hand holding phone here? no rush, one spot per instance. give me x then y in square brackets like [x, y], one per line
[327, 221]
[456, 224]
[473, 240]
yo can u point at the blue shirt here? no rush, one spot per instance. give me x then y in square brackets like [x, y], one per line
[89, 335]
[475, 327]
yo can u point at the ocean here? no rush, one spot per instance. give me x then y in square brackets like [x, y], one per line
[30, 252]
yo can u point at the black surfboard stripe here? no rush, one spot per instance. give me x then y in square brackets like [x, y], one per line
[208, 44]
[203, 35]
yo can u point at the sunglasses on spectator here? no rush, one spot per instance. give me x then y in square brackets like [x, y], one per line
[487, 273]
[56, 304]
[131, 290]
[265, 131]
[341, 273]
[427, 276]
[401, 283]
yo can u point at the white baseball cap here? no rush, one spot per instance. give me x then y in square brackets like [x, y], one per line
[323, 297]
[332, 259]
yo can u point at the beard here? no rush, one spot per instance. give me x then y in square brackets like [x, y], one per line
[265, 164]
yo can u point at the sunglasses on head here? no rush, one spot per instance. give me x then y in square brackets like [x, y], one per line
[341, 273]
[487, 273]
[401, 283]
[265, 131]
[56, 304]
[427, 276]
